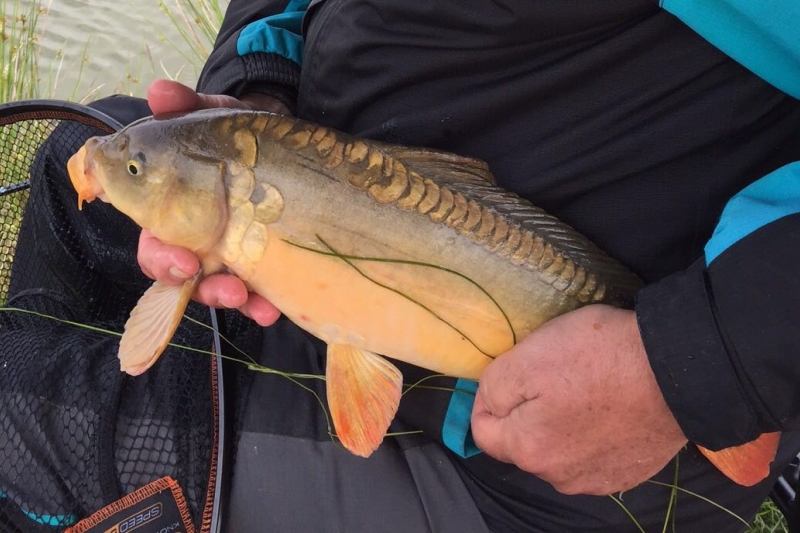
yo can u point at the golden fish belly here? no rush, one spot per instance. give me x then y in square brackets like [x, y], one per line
[419, 314]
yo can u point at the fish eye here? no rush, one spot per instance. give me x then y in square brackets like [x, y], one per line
[135, 163]
[134, 167]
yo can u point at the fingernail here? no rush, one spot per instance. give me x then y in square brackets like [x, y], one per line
[176, 272]
[225, 302]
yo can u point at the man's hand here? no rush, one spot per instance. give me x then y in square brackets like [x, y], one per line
[577, 404]
[172, 264]
[165, 97]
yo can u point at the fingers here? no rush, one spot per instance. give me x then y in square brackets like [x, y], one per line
[166, 96]
[264, 102]
[506, 383]
[260, 310]
[489, 432]
[504, 398]
[174, 265]
[228, 291]
[168, 264]
[222, 290]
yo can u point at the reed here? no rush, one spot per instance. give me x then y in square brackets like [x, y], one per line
[197, 22]
[19, 54]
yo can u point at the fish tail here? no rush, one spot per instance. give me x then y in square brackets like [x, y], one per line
[748, 463]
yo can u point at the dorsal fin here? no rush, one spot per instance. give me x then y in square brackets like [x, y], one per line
[460, 192]
[545, 242]
[427, 162]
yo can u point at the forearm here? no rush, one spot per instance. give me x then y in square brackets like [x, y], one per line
[722, 337]
[259, 50]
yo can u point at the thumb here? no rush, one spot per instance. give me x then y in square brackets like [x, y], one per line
[505, 382]
[166, 96]
[488, 431]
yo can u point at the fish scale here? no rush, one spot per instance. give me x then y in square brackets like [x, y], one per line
[388, 181]
[252, 204]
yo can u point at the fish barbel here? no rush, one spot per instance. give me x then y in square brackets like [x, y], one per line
[410, 253]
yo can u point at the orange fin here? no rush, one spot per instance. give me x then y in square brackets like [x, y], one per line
[152, 323]
[746, 464]
[364, 392]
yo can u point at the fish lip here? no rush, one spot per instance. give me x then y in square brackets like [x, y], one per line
[82, 171]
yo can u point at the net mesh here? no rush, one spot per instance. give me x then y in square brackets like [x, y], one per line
[15, 162]
[75, 433]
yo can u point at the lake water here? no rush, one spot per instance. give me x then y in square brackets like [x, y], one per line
[99, 47]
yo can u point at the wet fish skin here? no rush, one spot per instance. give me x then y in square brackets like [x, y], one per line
[267, 161]
[410, 253]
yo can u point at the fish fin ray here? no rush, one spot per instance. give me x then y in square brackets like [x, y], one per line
[538, 223]
[748, 463]
[472, 179]
[428, 163]
[364, 391]
[152, 323]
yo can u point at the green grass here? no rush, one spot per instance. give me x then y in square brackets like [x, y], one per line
[769, 520]
[197, 22]
[19, 77]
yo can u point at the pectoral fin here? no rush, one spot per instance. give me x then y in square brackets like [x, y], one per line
[152, 323]
[364, 392]
[746, 464]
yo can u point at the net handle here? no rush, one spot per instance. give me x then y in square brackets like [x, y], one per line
[44, 109]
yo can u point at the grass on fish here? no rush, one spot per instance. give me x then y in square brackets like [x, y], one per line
[349, 260]
[768, 520]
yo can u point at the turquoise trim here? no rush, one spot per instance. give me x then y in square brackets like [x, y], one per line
[762, 35]
[52, 520]
[278, 34]
[47, 519]
[774, 196]
[456, 433]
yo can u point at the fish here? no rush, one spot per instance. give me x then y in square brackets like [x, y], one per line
[382, 251]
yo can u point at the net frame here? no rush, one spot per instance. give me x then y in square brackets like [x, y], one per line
[25, 126]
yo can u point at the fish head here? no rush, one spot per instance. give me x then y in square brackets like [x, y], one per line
[145, 173]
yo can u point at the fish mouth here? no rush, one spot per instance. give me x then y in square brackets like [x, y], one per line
[82, 173]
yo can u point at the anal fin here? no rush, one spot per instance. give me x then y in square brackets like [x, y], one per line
[364, 391]
[152, 324]
[748, 463]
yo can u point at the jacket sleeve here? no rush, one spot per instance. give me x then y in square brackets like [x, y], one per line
[761, 36]
[723, 337]
[259, 49]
